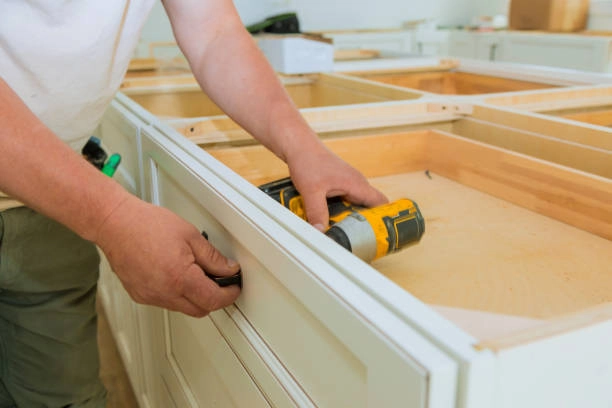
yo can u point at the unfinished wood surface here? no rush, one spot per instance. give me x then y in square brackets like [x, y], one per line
[480, 252]
[258, 165]
[601, 116]
[485, 254]
[145, 81]
[574, 197]
[143, 64]
[546, 100]
[454, 83]
[351, 120]
[313, 91]
[552, 327]
[572, 154]
[443, 65]
[486, 325]
[356, 54]
[540, 124]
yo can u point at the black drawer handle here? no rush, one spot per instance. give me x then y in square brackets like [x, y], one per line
[224, 281]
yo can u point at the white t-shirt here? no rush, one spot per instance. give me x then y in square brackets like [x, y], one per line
[66, 58]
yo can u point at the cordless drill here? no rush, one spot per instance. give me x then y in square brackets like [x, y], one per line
[369, 233]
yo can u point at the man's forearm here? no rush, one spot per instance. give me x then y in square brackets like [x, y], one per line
[38, 169]
[227, 63]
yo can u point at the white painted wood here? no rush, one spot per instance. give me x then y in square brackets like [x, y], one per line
[564, 51]
[589, 53]
[462, 44]
[569, 370]
[353, 351]
[352, 326]
[432, 42]
[119, 133]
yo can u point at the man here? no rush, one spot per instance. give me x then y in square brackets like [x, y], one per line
[61, 63]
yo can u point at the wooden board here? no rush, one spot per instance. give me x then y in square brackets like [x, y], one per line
[600, 116]
[543, 125]
[573, 154]
[356, 54]
[493, 240]
[349, 120]
[563, 98]
[483, 253]
[453, 83]
[306, 92]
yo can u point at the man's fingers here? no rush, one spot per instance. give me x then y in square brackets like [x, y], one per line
[204, 293]
[316, 210]
[368, 197]
[211, 260]
[183, 305]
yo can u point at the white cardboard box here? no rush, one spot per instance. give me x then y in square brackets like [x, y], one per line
[297, 54]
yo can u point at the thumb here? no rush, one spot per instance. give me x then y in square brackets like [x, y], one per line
[316, 210]
[211, 260]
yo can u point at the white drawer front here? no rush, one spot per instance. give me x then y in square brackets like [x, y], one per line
[338, 356]
[119, 131]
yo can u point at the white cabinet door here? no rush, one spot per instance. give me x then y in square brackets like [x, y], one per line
[432, 42]
[563, 51]
[119, 133]
[488, 47]
[462, 44]
[306, 334]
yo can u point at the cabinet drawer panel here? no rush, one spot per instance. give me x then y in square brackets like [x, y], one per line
[200, 355]
[119, 131]
[332, 346]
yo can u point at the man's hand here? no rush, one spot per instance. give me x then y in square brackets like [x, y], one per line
[160, 259]
[319, 174]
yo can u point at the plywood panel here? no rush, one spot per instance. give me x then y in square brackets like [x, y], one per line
[175, 100]
[454, 83]
[493, 239]
[596, 116]
[582, 157]
[483, 253]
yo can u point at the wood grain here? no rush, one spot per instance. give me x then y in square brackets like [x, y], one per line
[453, 83]
[493, 239]
[486, 254]
[170, 99]
[590, 136]
[568, 153]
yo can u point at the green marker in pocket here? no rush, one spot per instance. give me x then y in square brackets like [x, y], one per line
[111, 165]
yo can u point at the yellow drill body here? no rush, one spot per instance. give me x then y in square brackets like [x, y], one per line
[369, 233]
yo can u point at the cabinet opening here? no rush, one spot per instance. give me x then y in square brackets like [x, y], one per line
[509, 238]
[306, 91]
[587, 105]
[601, 115]
[451, 82]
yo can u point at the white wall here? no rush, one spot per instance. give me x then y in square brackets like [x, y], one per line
[319, 15]
[350, 14]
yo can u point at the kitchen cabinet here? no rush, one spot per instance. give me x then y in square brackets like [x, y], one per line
[579, 52]
[477, 315]
[584, 52]
[481, 46]
[589, 105]
[432, 42]
[169, 99]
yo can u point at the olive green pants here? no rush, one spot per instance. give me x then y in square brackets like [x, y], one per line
[48, 322]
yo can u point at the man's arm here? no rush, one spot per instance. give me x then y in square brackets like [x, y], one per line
[234, 73]
[158, 256]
